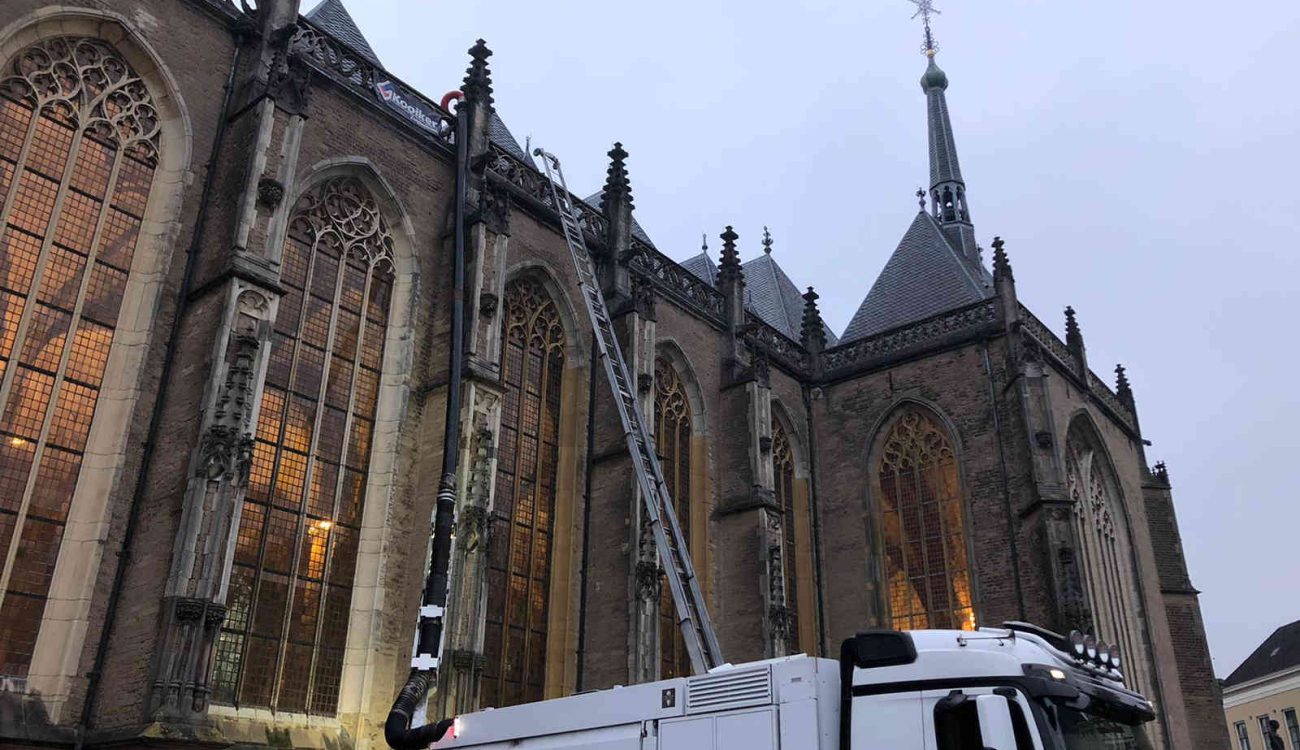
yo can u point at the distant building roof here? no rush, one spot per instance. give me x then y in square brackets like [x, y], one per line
[1279, 652]
[925, 276]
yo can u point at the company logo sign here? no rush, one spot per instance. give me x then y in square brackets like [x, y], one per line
[394, 97]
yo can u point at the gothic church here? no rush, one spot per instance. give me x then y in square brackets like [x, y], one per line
[224, 327]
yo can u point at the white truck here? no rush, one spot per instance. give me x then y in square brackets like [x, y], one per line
[1013, 688]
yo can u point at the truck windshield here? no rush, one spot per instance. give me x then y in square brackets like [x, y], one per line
[1084, 731]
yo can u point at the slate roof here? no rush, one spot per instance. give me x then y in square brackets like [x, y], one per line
[772, 296]
[334, 19]
[925, 276]
[703, 267]
[499, 134]
[1279, 652]
[944, 166]
[769, 292]
[597, 201]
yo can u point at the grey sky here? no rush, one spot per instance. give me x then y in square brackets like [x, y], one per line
[1138, 158]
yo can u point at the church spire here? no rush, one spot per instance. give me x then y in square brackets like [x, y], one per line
[947, 188]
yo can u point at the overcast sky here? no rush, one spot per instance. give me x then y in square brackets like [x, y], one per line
[1139, 158]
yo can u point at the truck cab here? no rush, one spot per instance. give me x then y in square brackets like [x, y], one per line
[1012, 688]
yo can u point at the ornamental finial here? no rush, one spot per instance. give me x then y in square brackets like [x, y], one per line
[924, 9]
[767, 241]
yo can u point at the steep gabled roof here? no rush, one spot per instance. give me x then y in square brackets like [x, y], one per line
[772, 296]
[769, 292]
[334, 19]
[703, 267]
[597, 201]
[499, 134]
[1279, 652]
[925, 276]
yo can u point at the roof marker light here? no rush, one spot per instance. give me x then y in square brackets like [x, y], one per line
[1114, 657]
[1103, 654]
[1090, 647]
[1076, 643]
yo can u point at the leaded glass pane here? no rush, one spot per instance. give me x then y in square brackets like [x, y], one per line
[923, 528]
[78, 134]
[297, 541]
[519, 559]
[672, 423]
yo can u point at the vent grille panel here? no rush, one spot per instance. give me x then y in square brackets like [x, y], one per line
[732, 689]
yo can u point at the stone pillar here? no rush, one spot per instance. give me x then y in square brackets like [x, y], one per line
[1047, 518]
[243, 278]
[487, 239]
[637, 330]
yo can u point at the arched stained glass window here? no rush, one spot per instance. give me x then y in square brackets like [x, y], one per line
[79, 140]
[1103, 540]
[672, 425]
[523, 510]
[783, 486]
[282, 642]
[925, 543]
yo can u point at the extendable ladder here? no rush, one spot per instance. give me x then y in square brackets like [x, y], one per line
[692, 614]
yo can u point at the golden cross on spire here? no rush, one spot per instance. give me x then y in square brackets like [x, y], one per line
[924, 9]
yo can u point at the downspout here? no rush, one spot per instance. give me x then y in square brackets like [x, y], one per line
[1006, 486]
[816, 522]
[586, 521]
[155, 419]
[398, 732]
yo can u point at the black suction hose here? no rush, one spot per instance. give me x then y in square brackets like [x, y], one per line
[398, 732]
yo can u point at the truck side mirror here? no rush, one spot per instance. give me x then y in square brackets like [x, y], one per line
[996, 729]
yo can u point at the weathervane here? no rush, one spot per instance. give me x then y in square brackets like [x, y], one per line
[923, 9]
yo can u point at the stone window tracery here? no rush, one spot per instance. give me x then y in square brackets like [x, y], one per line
[79, 143]
[925, 550]
[672, 425]
[290, 590]
[1103, 546]
[522, 519]
[783, 489]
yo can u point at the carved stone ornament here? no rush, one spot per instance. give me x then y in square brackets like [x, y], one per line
[189, 610]
[216, 615]
[226, 449]
[269, 193]
[765, 444]
[86, 84]
[648, 580]
[487, 305]
[779, 616]
[473, 525]
[288, 81]
[644, 297]
[496, 210]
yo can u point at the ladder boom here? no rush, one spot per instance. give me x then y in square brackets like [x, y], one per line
[692, 614]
